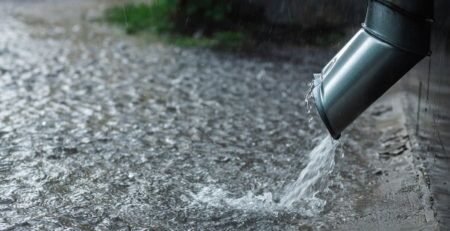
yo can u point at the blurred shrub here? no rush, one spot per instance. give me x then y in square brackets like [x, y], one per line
[211, 23]
[201, 11]
[181, 22]
[138, 17]
[185, 16]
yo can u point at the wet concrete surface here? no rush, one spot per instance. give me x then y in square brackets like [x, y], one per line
[428, 89]
[100, 131]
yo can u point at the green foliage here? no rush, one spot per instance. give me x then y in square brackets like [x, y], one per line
[170, 15]
[230, 38]
[206, 10]
[207, 23]
[135, 18]
[168, 19]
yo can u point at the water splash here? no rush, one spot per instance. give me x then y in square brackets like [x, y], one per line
[309, 100]
[299, 196]
[217, 197]
[313, 177]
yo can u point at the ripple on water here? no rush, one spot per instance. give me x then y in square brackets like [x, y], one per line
[111, 135]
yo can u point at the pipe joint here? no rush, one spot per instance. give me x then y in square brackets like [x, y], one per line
[394, 38]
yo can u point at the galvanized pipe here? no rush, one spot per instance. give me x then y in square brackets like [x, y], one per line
[393, 39]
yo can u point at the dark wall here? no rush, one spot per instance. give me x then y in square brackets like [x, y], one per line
[316, 13]
[308, 13]
[312, 13]
[429, 84]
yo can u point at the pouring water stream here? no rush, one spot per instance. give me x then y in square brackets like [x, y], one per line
[300, 195]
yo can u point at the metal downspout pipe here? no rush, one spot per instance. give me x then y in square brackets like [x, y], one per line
[394, 37]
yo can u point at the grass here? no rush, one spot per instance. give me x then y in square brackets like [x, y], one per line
[142, 17]
[158, 19]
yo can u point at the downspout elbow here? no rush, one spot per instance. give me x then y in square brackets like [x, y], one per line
[394, 37]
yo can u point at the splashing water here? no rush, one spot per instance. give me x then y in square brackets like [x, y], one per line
[313, 178]
[217, 197]
[309, 100]
[301, 195]
[309, 97]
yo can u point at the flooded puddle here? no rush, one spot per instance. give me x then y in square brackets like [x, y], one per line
[101, 131]
[299, 196]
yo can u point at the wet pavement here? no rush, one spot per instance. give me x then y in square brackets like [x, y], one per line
[100, 131]
[429, 87]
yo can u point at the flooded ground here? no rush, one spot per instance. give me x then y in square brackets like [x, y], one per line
[100, 131]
